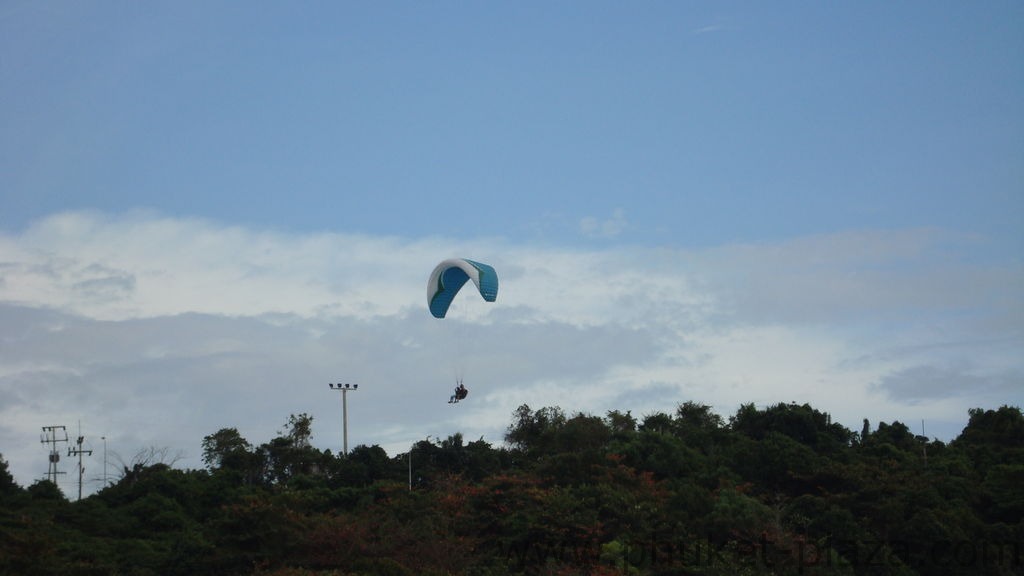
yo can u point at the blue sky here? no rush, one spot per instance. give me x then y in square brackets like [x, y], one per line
[723, 202]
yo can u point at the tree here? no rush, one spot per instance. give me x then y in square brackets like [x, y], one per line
[779, 488]
[737, 515]
[363, 466]
[664, 455]
[299, 430]
[7, 484]
[223, 448]
[621, 424]
[532, 431]
[291, 454]
[800, 422]
[658, 422]
[232, 458]
[698, 426]
[45, 490]
[692, 415]
[144, 458]
[1003, 484]
[776, 463]
[993, 437]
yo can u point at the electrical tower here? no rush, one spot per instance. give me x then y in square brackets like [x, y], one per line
[78, 452]
[52, 435]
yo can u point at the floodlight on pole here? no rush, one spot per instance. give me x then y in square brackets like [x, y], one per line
[344, 389]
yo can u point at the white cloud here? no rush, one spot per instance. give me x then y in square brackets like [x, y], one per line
[709, 29]
[158, 331]
[611, 227]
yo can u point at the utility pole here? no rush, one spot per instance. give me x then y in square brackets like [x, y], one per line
[924, 445]
[52, 435]
[411, 448]
[78, 452]
[104, 438]
[344, 389]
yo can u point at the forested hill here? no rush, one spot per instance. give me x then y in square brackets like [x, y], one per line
[780, 490]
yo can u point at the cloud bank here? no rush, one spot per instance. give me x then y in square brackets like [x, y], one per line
[155, 331]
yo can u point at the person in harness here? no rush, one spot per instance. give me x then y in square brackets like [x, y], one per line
[460, 393]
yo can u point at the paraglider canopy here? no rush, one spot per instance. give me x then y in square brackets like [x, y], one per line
[450, 275]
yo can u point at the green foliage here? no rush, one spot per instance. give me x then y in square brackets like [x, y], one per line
[993, 437]
[533, 432]
[225, 449]
[45, 491]
[799, 422]
[8, 488]
[1004, 485]
[776, 491]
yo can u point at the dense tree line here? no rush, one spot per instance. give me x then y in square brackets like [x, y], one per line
[779, 490]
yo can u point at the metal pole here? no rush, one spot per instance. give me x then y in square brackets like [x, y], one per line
[344, 389]
[344, 420]
[81, 469]
[78, 452]
[50, 437]
[411, 448]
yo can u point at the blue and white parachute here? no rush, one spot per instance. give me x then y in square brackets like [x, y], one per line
[450, 275]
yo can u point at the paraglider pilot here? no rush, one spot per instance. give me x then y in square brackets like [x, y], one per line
[460, 393]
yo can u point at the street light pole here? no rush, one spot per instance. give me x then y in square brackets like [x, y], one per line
[344, 389]
[104, 461]
[410, 461]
